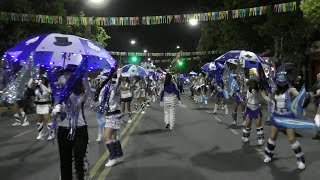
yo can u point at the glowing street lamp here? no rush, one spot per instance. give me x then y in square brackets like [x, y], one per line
[96, 1]
[145, 51]
[178, 47]
[193, 22]
[133, 42]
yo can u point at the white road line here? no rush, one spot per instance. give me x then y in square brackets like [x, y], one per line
[22, 133]
[218, 119]
[208, 112]
[234, 131]
[201, 106]
[183, 106]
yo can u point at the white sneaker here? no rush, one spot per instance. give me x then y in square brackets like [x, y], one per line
[245, 139]
[267, 159]
[234, 123]
[301, 165]
[226, 111]
[99, 138]
[205, 102]
[16, 124]
[26, 123]
[130, 121]
[171, 128]
[143, 112]
[40, 136]
[50, 137]
[111, 162]
[260, 142]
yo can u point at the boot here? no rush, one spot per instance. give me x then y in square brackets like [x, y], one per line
[112, 154]
[268, 150]
[135, 108]
[143, 108]
[100, 131]
[246, 135]
[17, 119]
[51, 132]
[153, 98]
[40, 130]
[118, 152]
[260, 135]
[234, 118]
[25, 119]
[130, 117]
[215, 108]
[299, 155]
[226, 109]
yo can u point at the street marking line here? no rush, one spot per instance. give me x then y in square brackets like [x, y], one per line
[22, 133]
[234, 131]
[218, 119]
[201, 106]
[102, 159]
[106, 170]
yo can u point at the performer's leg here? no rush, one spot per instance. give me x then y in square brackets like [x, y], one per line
[260, 132]
[271, 145]
[296, 148]
[24, 117]
[246, 131]
[108, 133]
[50, 126]
[80, 152]
[235, 113]
[118, 151]
[166, 108]
[16, 115]
[40, 125]
[172, 115]
[65, 151]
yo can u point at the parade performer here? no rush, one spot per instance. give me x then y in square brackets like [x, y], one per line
[126, 96]
[113, 124]
[219, 86]
[153, 89]
[138, 94]
[198, 87]
[253, 112]
[18, 108]
[316, 96]
[281, 100]
[168, 100]
[239, 99]
[43, 101]
[73, 134]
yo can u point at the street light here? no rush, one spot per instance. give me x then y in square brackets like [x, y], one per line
[145, 51]
[178, 47]
[149, 59]
[96, 1]
[193, 22]
[133, 42]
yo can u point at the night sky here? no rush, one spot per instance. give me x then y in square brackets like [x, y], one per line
[157, 38]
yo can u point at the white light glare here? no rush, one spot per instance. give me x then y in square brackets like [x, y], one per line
[193, 22]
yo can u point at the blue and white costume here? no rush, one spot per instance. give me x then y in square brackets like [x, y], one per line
[168, 96]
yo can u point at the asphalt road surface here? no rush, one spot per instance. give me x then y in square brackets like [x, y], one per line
[202, 146]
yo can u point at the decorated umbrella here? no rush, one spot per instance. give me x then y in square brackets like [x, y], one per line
[192, 73]
[212, 66]
[246, 58]
[134, 70]
[54, 51]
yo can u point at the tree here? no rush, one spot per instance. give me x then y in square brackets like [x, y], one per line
[311, 11]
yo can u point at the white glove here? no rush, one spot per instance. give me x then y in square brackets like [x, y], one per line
[180, 104]
[161, 103]
[317, 120]
[56, 109]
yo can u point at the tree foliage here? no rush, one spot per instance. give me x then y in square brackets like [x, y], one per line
[284, 34]
[311, 11]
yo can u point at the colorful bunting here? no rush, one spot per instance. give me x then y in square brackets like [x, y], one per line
[168, 54]
[149, 20]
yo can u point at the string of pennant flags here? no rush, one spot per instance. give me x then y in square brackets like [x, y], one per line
[168, 54]
[170, 60]
[149, 20]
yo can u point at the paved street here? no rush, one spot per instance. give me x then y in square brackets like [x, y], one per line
[202, 146]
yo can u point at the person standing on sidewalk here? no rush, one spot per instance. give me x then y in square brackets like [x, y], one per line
[168, 98]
